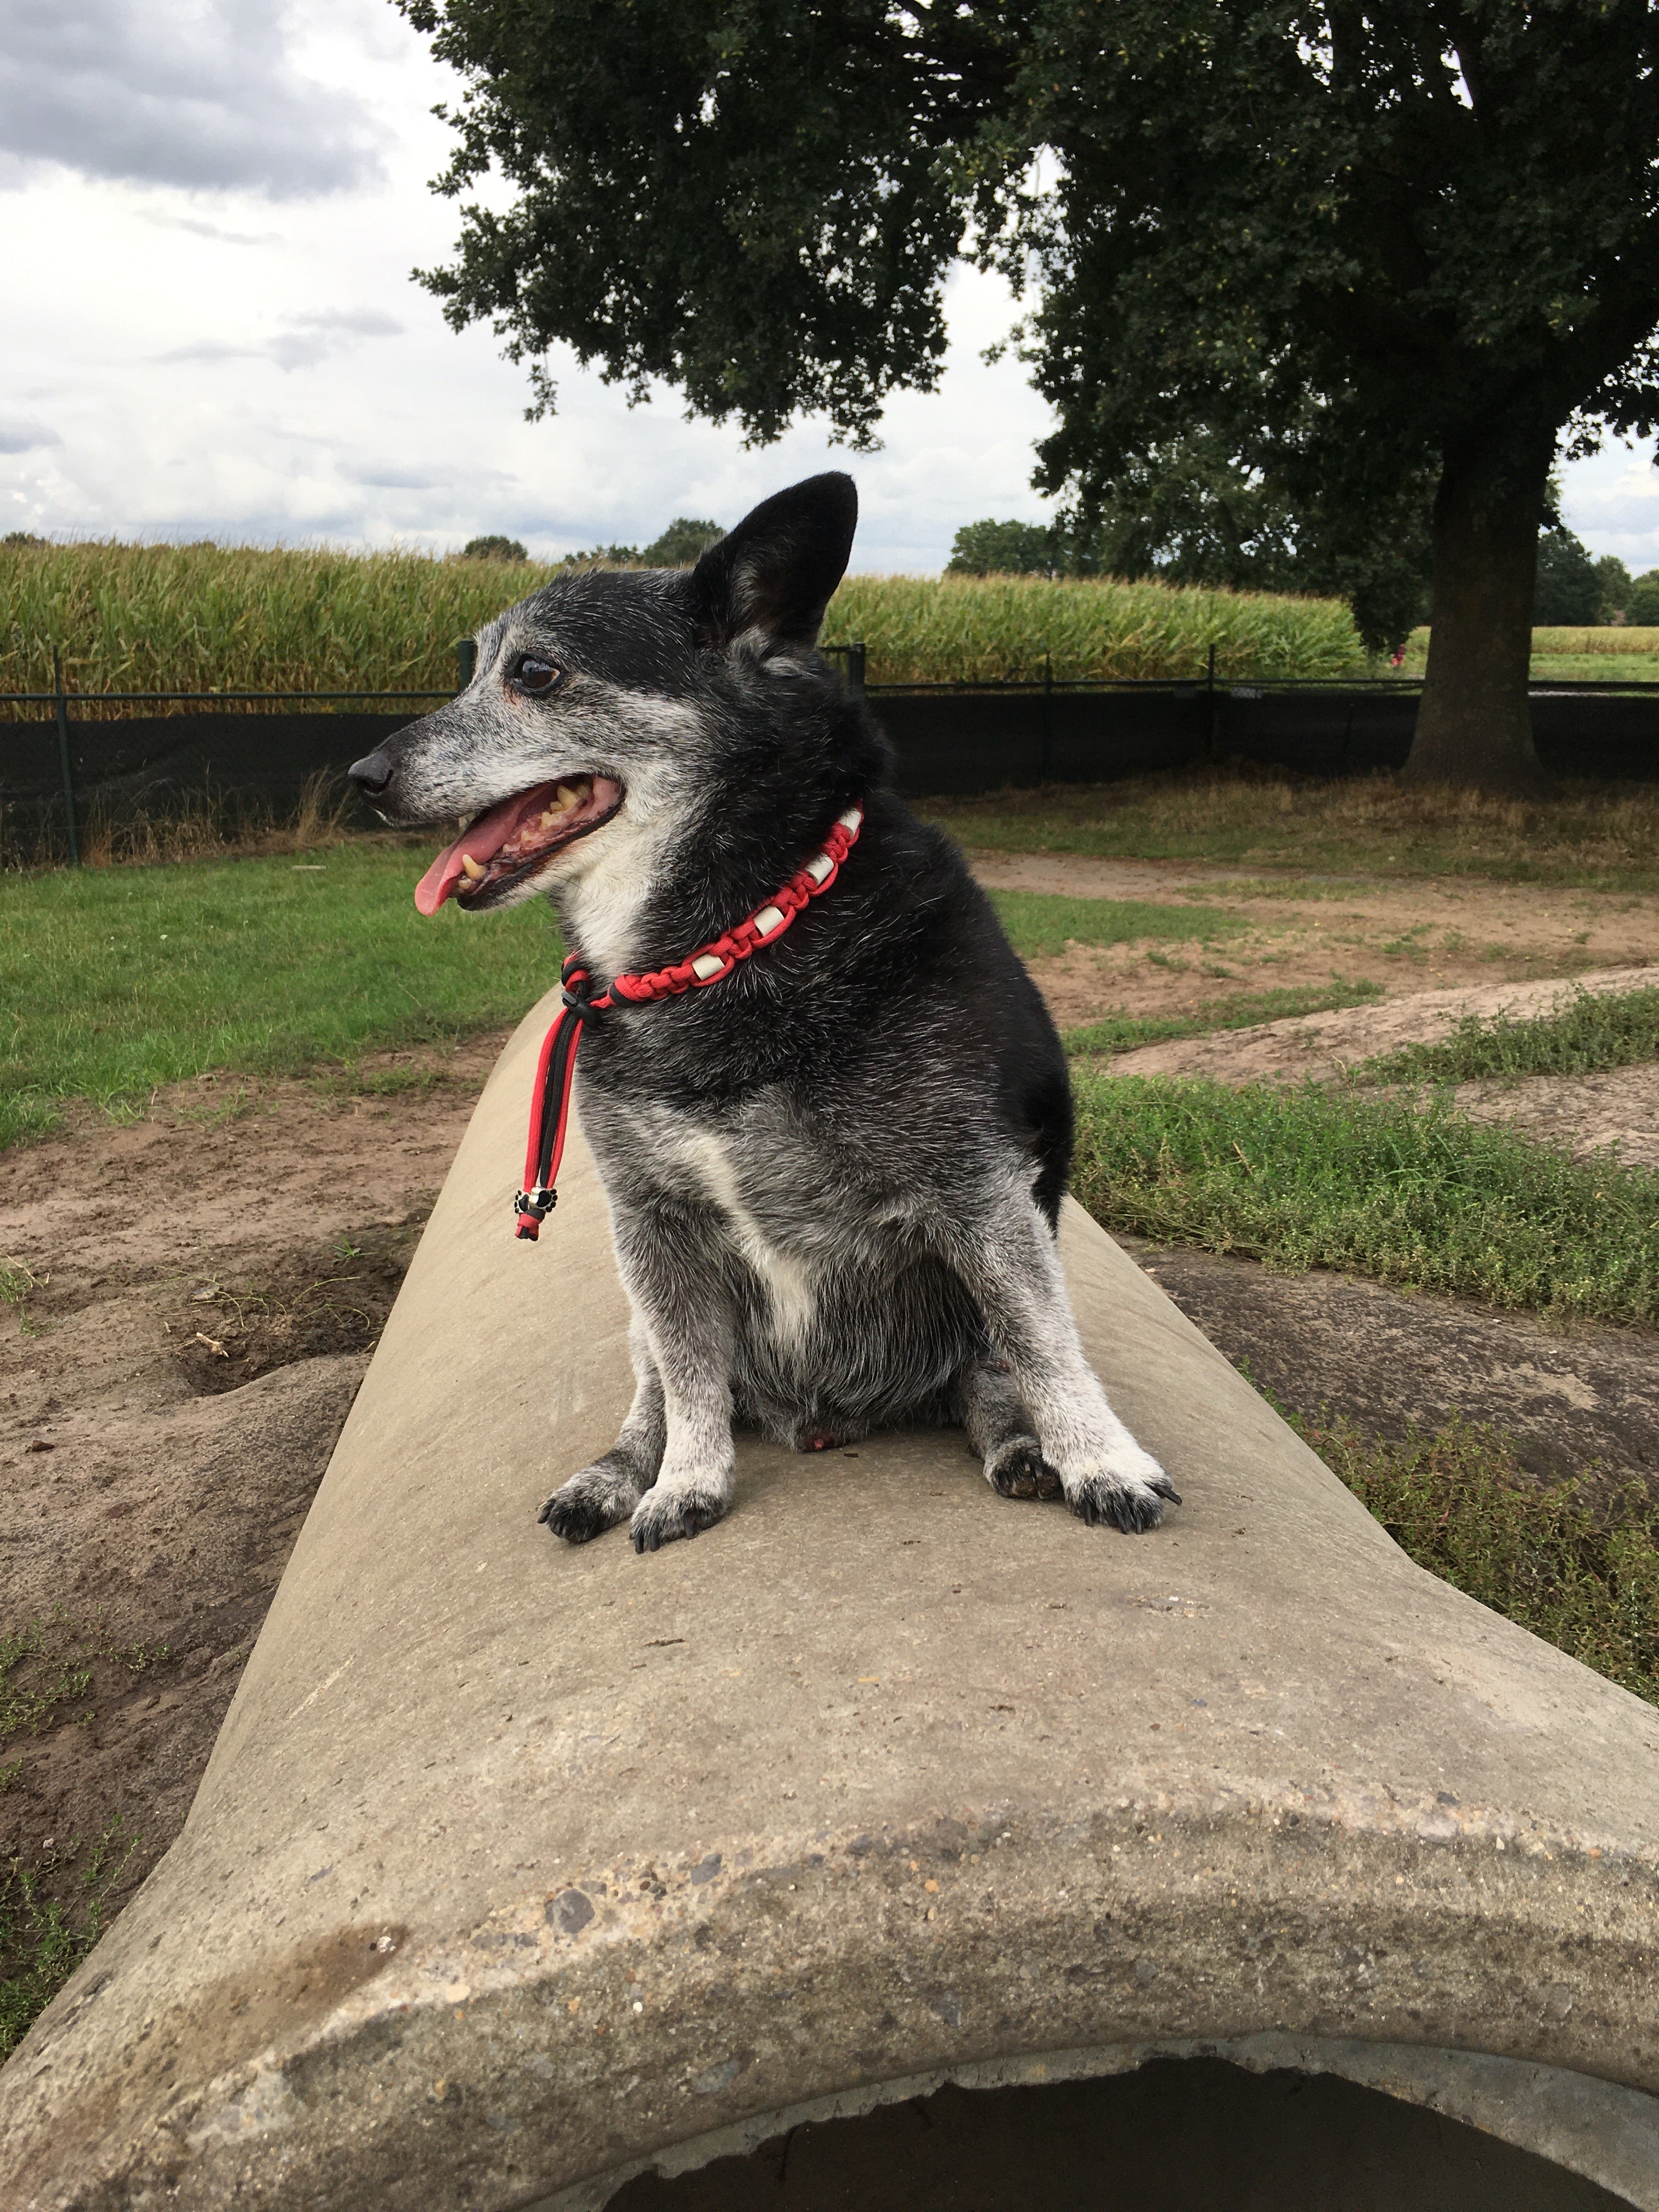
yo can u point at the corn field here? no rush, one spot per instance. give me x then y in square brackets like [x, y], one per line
[956, 629]
[241, 618]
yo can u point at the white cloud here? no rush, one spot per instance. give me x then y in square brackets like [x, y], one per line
[1611, 501]
[200, 93]
[307, 339]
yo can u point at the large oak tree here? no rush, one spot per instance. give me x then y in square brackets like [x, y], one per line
[1372, 246]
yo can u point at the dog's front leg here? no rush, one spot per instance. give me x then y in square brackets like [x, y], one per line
[608, 1490]
[1008, 1258]
[682, 1307]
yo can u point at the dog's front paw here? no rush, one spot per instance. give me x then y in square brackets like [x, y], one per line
[1126, 1489]
[589, 1504]
[1017, 1469]
[663, 1513]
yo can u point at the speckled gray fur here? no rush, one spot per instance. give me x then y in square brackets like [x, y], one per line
[834, 1178]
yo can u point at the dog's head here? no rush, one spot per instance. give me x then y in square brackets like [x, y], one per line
[604, 704]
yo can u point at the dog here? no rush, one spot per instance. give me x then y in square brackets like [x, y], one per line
[835, 1175]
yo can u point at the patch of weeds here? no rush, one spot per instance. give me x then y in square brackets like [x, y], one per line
[47, 1669]
[1588, 1034]
[50, 1915]
[1124, 1032]
[1584, 1575]
[18, 1283]
[1406, 1192]
[1041, 923]
[1408, 947]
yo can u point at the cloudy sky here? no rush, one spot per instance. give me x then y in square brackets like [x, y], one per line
[209, 210]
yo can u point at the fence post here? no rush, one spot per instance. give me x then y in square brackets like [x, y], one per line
[62, 704]
[1215, 709]
[1048, 711]
[855, 670]
[466, 661]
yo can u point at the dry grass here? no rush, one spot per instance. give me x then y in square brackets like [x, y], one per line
[207, 825]
[1602, 836]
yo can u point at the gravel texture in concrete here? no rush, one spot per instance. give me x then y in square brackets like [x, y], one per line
[519, 1869]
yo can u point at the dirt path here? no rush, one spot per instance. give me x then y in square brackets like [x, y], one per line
[1313, 932]
[1390, 1360]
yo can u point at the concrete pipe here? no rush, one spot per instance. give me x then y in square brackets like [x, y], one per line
[892, 1844]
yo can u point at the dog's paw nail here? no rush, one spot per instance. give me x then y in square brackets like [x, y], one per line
[1133, 1506]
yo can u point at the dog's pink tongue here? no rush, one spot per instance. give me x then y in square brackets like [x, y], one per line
[479, 843]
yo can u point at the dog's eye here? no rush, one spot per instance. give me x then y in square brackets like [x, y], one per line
[536, 677]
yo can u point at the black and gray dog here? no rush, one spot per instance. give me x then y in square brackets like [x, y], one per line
[835, 1175]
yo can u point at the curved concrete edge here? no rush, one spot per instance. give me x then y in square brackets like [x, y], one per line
[518, 1869]
[1596, 2130]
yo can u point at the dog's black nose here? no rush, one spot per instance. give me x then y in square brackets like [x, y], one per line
[372, 774]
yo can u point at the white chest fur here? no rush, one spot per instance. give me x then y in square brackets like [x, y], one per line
[788, 1277]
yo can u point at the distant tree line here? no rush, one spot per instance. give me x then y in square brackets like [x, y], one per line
[1186, 528]
[678, 548]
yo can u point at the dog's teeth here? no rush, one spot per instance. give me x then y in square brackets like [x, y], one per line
[568, 799]
[460, 821]
[474, 873]
[550, 815]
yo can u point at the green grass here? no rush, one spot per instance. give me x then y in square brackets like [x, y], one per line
[1592, 1032]
[53, 1913]
[205, 617]
[1581, 1573]
[1041, 923]
[117, 980]
[43, 1939]
[1124, 1032]
[114, 981]
[1603, 837]
[1604, 655]
[1408, 1192]
[47, 1667]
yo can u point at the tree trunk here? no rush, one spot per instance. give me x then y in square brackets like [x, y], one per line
[1473, 724]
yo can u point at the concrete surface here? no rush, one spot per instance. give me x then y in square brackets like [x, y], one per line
[519, 1870]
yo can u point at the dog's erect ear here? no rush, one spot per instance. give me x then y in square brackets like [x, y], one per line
[774, 573]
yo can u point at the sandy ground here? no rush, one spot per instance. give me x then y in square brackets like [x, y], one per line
[207, 1284]
[1312, 932]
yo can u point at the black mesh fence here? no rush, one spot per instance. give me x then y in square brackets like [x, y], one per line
[253, 758]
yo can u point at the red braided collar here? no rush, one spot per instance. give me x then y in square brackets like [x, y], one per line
[556, 1068]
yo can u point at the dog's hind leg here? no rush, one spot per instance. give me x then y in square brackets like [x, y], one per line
[608, 1490]
[1000, 1431]
[1007, 1256]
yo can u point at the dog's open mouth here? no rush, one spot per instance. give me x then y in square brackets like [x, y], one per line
[507, 841]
